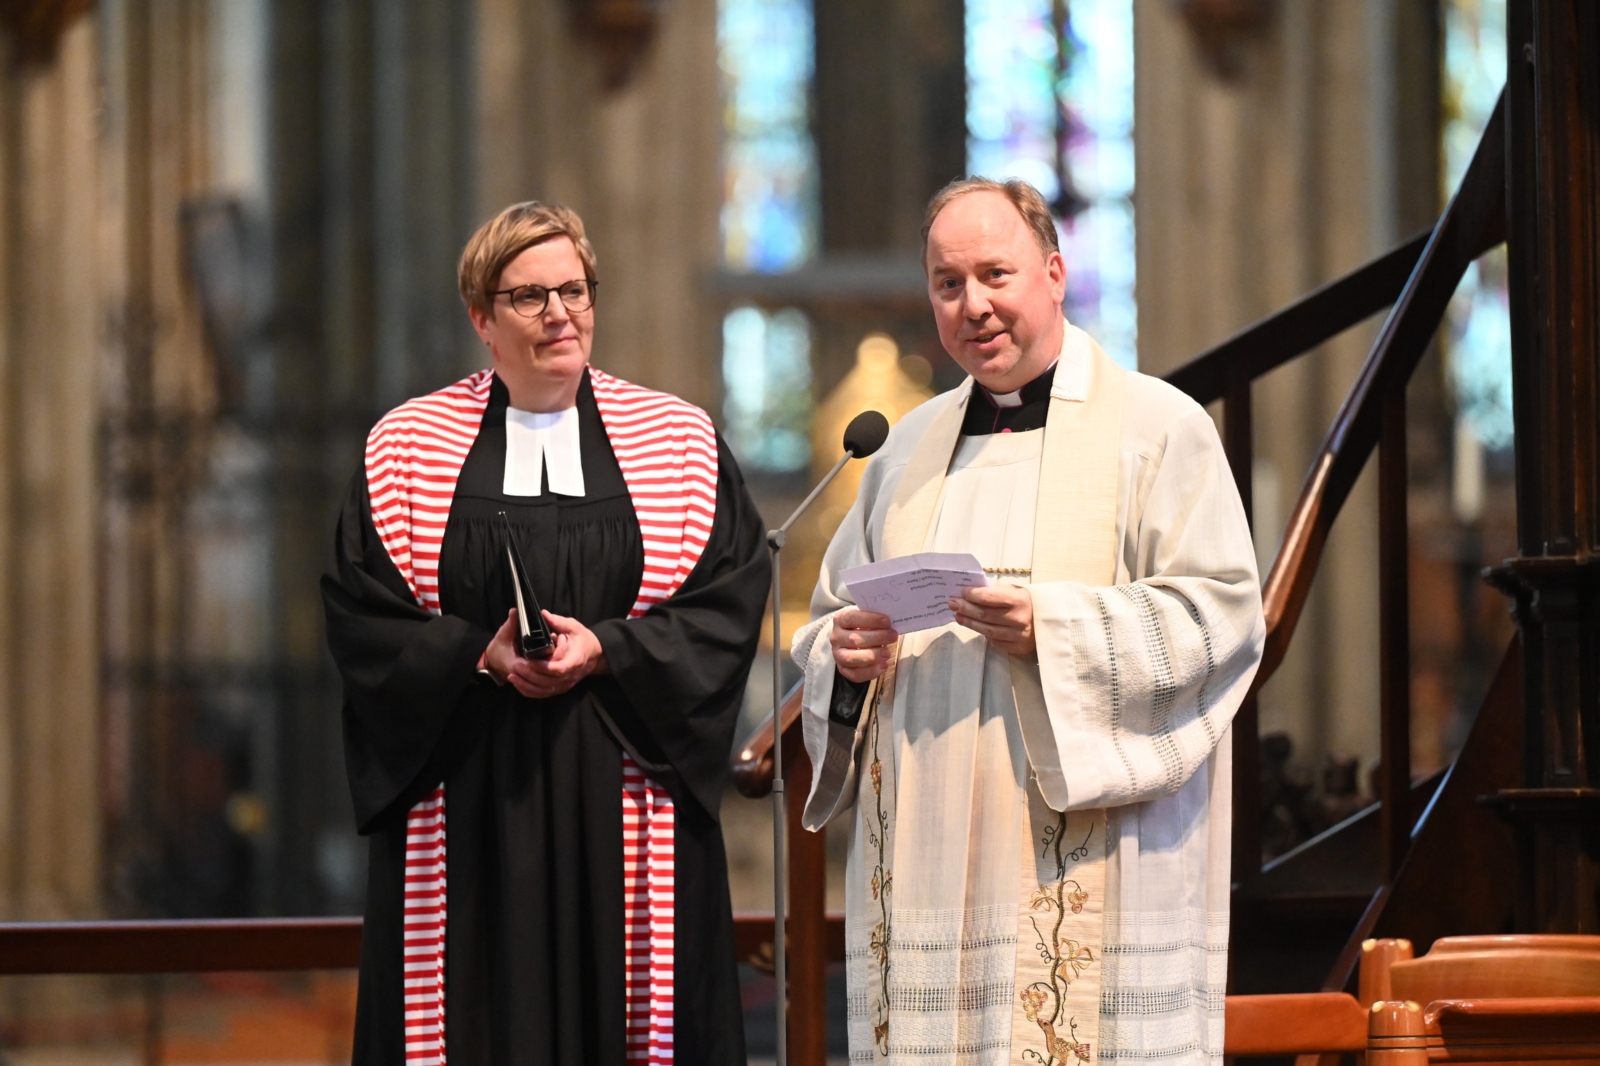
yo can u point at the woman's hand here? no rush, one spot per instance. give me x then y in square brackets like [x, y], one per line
[862, 643]
[1002, 613]
[577, 654]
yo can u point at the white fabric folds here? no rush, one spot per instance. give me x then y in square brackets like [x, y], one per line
[537, 442]
[1137, 676]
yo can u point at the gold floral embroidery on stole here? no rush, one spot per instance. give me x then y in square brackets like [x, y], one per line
[1061, 911]
[882, 881]
[1056, 1020]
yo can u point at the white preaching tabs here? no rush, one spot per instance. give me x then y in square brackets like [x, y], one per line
[914, 590]
[537, 442]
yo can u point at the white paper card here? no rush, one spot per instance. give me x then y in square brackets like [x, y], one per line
[914, 590]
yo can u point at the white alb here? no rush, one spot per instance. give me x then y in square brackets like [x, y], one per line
[1141, 679]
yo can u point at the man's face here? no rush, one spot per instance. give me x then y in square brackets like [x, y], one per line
[996, 296]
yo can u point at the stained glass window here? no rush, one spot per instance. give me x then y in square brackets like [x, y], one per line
[769, 223]
[766, 368]
[1479, 332]
[1050, 100]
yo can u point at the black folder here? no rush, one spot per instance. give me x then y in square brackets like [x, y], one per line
[534, 640]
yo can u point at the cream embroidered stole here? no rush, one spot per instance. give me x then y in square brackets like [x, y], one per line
[1061, 896]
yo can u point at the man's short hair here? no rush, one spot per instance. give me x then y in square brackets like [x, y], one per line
[1024, 197]
[505, 236]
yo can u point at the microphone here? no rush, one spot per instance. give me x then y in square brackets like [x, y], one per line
[864, 435]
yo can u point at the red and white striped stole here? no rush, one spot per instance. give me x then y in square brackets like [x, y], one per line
[423, 932]
[668, 454]
[414, 457]
[667, 450]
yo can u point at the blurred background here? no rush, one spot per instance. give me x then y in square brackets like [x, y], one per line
[228, 235]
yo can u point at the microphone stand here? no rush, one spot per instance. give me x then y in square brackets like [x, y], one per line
[780, 819]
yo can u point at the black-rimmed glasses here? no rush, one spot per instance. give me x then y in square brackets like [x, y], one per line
[530, 301]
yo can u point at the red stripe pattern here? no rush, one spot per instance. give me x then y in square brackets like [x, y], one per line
[414, 456]
[424, 932]
[667, 450]
[648, 824]
[668, 454]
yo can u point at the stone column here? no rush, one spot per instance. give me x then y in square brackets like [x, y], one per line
[50, 335]
[159, 392]
[640, 161]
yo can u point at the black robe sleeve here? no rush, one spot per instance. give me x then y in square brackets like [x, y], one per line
[405, 671]
[682, 666]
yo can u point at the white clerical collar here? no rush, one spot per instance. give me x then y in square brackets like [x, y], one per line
[1015, 399]
[538, 443]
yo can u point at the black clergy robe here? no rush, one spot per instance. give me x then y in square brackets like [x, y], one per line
[535, 953]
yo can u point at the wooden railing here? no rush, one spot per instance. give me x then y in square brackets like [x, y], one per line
[239, 944]
[1256, 1025]
[1304, 1024]
[192, 946]
[1417, 279]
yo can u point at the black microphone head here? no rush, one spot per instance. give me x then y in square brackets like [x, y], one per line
[865, 434]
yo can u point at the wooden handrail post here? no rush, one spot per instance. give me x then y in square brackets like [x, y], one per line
[1396, 1035]
[808, 928]
[1377, 956]
[1394, 635]
[1239, 446]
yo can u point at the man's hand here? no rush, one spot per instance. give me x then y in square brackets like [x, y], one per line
[1002, 613]
[576, 655]
[862, 643]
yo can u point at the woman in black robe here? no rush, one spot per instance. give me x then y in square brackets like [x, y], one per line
[534, 963]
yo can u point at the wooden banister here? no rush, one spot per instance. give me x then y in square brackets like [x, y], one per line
[1319, 316]
[1394, 639]
[257, 944]
[1472, 224]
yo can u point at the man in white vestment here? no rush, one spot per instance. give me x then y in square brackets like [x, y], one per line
[1038, 792]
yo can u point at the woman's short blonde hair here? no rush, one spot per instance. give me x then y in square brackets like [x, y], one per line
[503, 238]
[1024, 197]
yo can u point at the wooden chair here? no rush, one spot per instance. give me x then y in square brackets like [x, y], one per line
[1488, 999]
[1482, 999]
